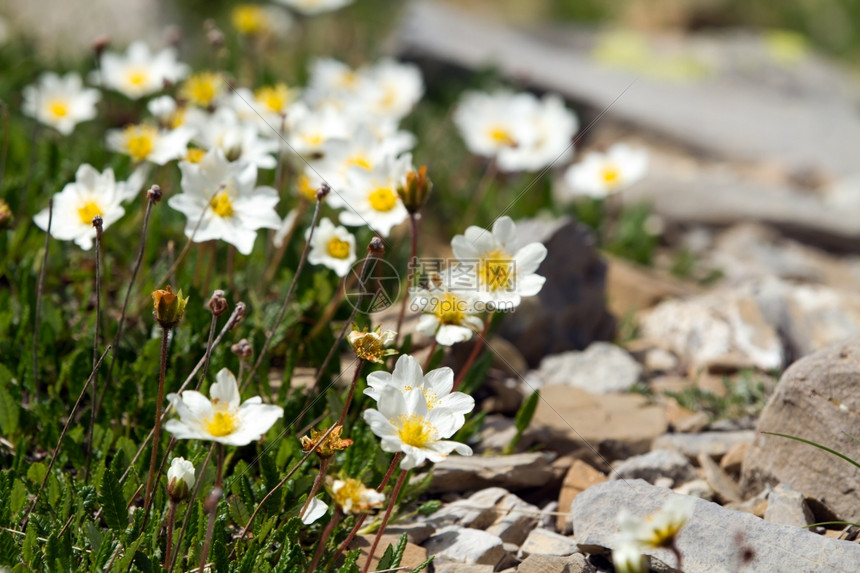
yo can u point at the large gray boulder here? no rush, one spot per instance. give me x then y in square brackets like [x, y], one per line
[817, 399]
[715, 539]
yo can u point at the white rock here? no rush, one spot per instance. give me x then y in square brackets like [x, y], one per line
[601, 368]
[515, 519]
[546, 542]
[466, 545]
[786, 505]
[655, 465]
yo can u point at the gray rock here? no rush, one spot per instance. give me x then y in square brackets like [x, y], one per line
[697, 488]
[515, 520]
[575, 563]
[442, 565]
[714, 539]
[787, 506]
[655, 465]
[570, 311]
[726, 488]
[548, 517]
[465, 545]
[601, 368]
[715, 326]
[416, 532]
[714, 444]
[477, 511]
[816, 399]
[546, 542]
[517, 471]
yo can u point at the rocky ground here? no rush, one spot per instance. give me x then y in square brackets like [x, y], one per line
[754, 177]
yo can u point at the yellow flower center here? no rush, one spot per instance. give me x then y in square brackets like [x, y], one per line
[349, 494]
[347, 79]
[202, 88]
[502, 136]
[59, 108]
[663, 536]
[222, 205]
[178, 118]
[305, 188]
[415, 431]
[313, 139]
[449, 309]
[249, 19]
[194, 155]
[275, 98]
[222, 424]
[383, 199]
[137, 77]
[337, 248]
[360, 161]
[139, 140]
[495, 270]
[610, 175]
[389, 97]
[89, 210]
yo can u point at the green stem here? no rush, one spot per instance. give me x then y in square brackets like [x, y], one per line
[157, 429]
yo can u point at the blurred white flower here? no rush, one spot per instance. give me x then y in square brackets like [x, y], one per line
[519, 131]
[627, 557]
[286, 225]
[308, 129]
[313, 7]
[143, 142]
[492, 270]
[371, 198]
[223, 198]
[406, 424]
[260, 21]
[139, 72]
[90, 194]
[353, 497]
[395, 88]
[60, 102]
[333, 247]
[436, 386]
[601, 174]
[239, 141]
[222, 419]
[659, 529]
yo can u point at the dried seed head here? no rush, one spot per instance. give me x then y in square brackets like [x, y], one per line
[243, 349]
[154, 194]
[328, 446]
[100, 44]
[323, 191]
[238, 314]
[218, 303]
[376, 247]
[98, 223]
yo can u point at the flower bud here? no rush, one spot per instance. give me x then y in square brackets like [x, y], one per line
[5, 214]
[154, 194]
[180, 479]
[168, 308]
[243, 349]
[415, 191]
[218, 303]
[376, 247]
[323, 191]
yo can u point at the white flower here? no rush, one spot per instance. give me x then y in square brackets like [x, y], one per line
[162, 108]
[90, 194]
[144, 142]
[309, 128]
[222, 197]
[660, 529]
[316, 509]
[497, 273]
[396, 88]
[371, 196]
[449, 315]
[313, 7]
[222, 419]
[60, 102]
[435, 386]
[627, 558]
[353, 498]
[333, 247]
[521, 132]
[600, 174]
[180, 478]
[139, 72]
[406, 424]
[238, 141]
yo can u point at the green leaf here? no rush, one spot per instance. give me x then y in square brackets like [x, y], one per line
[429, 507]
[527, 411]
[113, 502]
[9, 413]
[19, 497]
[393, 555]
[424, 565]
[817, 445]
